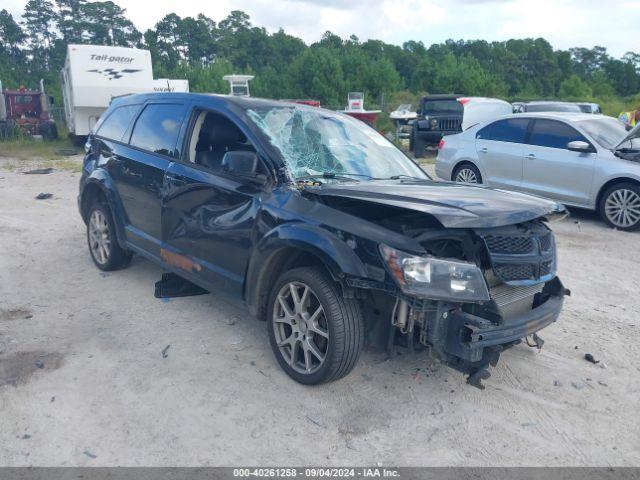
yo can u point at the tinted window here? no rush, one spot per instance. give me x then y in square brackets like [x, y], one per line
[117, 122]
[553, 107]
[441, 106]
[554, 134]
[511, 130]
[157, 128]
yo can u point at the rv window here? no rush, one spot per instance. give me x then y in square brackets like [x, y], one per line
[157, 128]
[114, 126]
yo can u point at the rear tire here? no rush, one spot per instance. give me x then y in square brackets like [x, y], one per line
[316, 334]
[467, 173]
[418, 145]
[620, 206]
[103, 244]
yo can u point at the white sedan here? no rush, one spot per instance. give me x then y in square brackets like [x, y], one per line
[582, 160]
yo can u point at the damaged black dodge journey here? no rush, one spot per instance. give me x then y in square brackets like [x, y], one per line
[322, 228]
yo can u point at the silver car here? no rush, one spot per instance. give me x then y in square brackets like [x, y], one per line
[582, 160]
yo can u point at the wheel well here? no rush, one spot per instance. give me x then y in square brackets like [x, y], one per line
[611, 183]
[282, 261]
[460, 164]
[91, 194]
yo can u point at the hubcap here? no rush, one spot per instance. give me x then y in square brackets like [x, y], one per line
[99, 237]
[466, 175]
[300, 328]
[622, 208]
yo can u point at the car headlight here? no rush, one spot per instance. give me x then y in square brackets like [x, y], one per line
[430, 277]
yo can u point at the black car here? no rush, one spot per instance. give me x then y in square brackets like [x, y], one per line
[438, 115]
[321, 227]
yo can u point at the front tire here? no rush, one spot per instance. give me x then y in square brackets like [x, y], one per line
[620, 206]
[104, 248]
[467, 173]
[315, 333]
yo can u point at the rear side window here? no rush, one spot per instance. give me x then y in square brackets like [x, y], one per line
[554, 134]
[157, 128]
[117, 122]
[511, 130]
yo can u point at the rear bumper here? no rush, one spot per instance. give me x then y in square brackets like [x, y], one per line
[470, 337]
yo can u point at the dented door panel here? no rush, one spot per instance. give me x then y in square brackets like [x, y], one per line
[207, 224]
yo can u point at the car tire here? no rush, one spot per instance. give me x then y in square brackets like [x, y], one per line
[620, 206]
[467, 171]
[418, 145]
[103, 244]
[318, 337]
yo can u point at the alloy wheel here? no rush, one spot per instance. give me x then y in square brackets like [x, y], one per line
[466, 175]
[99, 237]
[300, 328]
[622, 208]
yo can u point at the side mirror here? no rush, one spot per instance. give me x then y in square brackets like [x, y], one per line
[579, 146]
[241, 163]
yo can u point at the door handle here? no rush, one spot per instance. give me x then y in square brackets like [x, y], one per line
[531, 155]
[483, 150]
[176, 180]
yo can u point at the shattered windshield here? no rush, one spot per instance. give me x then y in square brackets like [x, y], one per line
[318, 142]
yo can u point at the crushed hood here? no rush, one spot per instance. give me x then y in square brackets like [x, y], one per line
[453, 205]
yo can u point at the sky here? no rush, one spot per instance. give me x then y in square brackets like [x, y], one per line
[614, 24]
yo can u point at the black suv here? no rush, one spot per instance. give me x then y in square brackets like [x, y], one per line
[321, 227]
[438, 115]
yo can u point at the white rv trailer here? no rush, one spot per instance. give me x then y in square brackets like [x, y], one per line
[92, 75]
[170, 85]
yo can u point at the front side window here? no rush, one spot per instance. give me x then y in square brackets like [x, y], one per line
[554, 134]
[114, 126]
[157, 128]
[512, 130]
[314, 142]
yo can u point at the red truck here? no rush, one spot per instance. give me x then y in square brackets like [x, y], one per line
[26, 112]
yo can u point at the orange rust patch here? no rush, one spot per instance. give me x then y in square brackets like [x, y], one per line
[181, 261]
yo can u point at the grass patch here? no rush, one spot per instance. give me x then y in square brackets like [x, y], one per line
[28, 149]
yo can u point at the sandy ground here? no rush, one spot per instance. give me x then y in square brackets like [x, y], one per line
[83, 380]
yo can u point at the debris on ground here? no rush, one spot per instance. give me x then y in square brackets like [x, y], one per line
[589, 358]
[314, 420]
[39, 364]
[557, 383]
[44, 196]
[90, 454]
[164, 351]
[39, 171]
[67, 152]
[26, 436]
[578, 385]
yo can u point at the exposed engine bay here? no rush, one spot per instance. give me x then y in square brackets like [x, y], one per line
[518, 264]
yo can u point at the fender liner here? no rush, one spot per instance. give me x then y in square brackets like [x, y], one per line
[102, 180]
[334, 253]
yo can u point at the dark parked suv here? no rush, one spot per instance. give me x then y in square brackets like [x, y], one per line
[438, 115]
[321, 227]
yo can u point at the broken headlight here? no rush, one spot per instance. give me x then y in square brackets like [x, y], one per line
[430, 277]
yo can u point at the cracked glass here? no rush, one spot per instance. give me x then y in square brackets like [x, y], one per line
[318, 142]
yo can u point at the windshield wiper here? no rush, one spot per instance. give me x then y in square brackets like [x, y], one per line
[409, 177]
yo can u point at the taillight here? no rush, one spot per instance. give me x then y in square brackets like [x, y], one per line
[463, 100]
[441, 144]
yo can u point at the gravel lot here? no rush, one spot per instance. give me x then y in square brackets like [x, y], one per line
[83, 380]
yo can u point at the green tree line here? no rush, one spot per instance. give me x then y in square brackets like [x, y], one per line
[202, 50]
